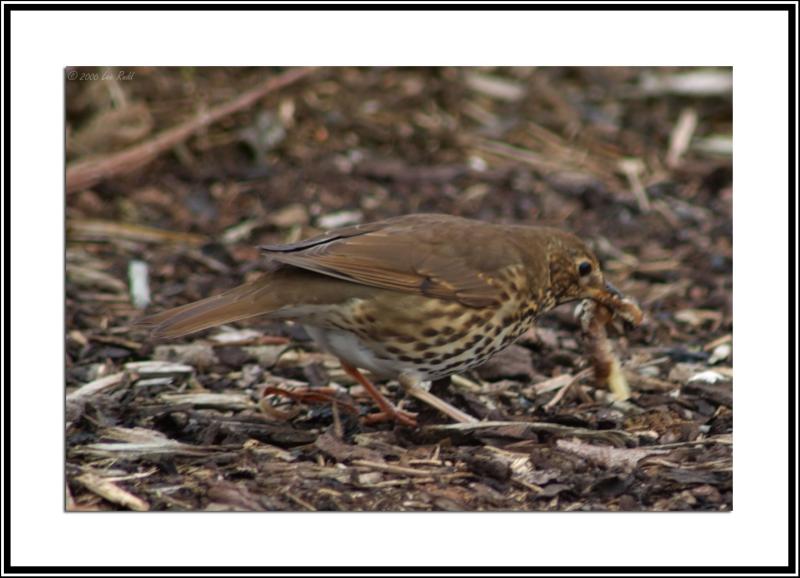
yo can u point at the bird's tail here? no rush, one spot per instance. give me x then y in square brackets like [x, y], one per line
[248, 300]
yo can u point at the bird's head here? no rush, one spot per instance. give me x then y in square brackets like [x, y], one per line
[575, 274]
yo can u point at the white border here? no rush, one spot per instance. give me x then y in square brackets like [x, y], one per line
[754, 43]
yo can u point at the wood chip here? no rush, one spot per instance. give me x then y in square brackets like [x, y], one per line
[389, 468]
[198, 355]
[138, 276]
[112, 492]
[341, 451]
[697, 317]
[720, 145]
[114, 340]
[291, 215]
[693, 83]
[681, 136]
[633, 169]
[211, 263]
[340, 219]
[155, 382]
[154, 367]
[230, 401]
[549, 385]
[625, 458]
[86, 277]
[301, 502]
[619, 437]
[230, 336]
[495, 87]
[112, 230]
[95, 387]
[137, 441]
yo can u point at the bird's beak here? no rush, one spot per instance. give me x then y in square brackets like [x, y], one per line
[613, 290]
[623, 306]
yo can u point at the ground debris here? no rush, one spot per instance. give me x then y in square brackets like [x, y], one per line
[111, 491]
[634, 160]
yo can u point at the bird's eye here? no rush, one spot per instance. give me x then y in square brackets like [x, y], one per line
[584, 268]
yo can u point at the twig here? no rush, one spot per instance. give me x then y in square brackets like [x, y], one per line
[633, 169]
[548, 385]
[97, 229]
[681, 136]
[438, 403]
[87, 277]
[392, 469]
[724, 439]
[223, 401]
[517, 154]
[338, 431]
[711, 345]
[112, 492]
[96, 386]
[535, 488]
[579, 432]
[300, 501]
[158, 367]
[626, 458]
[86, 173]
[140, 442]
[563, 391]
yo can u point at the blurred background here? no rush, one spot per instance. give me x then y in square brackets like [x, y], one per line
[175, 175]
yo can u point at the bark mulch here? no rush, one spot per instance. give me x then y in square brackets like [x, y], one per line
[636, 161]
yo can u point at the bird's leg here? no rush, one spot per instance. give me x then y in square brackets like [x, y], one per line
[411, 385]
[388, 411]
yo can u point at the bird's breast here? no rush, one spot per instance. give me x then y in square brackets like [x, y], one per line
[426, 337]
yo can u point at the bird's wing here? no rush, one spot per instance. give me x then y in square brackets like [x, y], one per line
[434, 255]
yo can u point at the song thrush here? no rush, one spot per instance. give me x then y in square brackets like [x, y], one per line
[416, 298]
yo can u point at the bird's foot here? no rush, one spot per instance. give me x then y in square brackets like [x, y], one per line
[397, 415]
[388, 411]
[308, 395]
